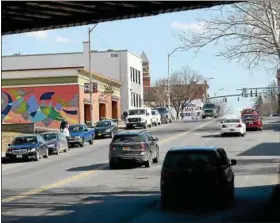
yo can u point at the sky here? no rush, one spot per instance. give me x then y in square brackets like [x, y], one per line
[155, 36]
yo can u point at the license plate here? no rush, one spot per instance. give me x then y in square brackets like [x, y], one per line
[99, 134]
[126, 149]
[19, 156]
[232, 130]
[250, 122]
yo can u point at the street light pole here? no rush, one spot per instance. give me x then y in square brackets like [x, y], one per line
[90, 74]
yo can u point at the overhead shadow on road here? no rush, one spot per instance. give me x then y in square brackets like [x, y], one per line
[272, 126]
[263, 149]
[82, 205]
[105, 166]
[219, 136]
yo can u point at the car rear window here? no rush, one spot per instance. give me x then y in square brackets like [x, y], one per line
[231, 120]
[190, 159]
[250, 117]
[126, 138]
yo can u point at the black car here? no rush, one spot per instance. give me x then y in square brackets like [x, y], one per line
[27, 147]
[133, 146]
[106, 128]
[195, 173]
[56, 142]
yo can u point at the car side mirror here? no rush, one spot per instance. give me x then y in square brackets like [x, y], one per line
[233, 162]
[155, 139]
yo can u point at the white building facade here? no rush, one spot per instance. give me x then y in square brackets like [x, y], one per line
[120, 65]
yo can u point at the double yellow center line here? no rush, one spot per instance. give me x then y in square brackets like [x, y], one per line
[87, 173]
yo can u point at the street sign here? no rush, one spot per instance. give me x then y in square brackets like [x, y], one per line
[93, 88]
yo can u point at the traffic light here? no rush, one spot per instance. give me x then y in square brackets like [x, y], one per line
[251, 93]
[256, 93]
[225, 99]
[238, 99]
[242, 95]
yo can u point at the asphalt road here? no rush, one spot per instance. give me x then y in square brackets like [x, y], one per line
[79, 187]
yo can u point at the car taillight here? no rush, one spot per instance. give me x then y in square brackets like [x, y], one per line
[142, 146]
[239, 126]
[224, 126]
[112, 148]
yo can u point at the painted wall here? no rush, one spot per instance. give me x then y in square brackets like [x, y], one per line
[45, 106]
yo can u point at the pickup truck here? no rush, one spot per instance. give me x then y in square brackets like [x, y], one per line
[79, 134]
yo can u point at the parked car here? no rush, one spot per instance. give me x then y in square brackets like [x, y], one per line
[253, 122]
[28, 147]
[106, 128]
[140, 117]
[133, 146]
[233, 126]
[156, 117]
[79, 134]
[197, 173]
[56, 142]
[165, 113]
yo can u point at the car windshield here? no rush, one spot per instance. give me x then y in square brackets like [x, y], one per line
[231, 121]
[103, 124]
[137, 112]
[49, 136]
[189, 159]
[126, 138]
[209, 106]
[25, 140]
[76, 128]
[250, 117]
[162, 110]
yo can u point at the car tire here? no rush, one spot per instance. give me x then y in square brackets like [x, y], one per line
[113, 165]
[91, 141]
[47, 154]
[156, 159]
[165, 203]
[37, 156]
[222, 135]
[82, 144]
[148, 163]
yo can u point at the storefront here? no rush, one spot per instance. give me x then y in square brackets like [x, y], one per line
[47, 100]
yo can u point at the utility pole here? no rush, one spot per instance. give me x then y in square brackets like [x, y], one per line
[90, 74]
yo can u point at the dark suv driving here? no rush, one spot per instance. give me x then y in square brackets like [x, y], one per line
[195, 173]
[133, 146]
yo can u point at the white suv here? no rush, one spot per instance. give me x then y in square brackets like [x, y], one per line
[140, 117]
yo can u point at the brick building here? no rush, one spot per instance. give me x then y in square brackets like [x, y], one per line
[146, 73]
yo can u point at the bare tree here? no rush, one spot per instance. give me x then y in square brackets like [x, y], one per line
[250, 32]
[156, 96]
[224, 108]
[185, 85]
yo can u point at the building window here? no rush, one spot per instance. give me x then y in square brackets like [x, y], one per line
[139, 77]
[140, 102]
[134, 102]
[131, 99]
[137, 100]
[131, 73]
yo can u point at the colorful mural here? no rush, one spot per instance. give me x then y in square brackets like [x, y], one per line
[45, 106]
